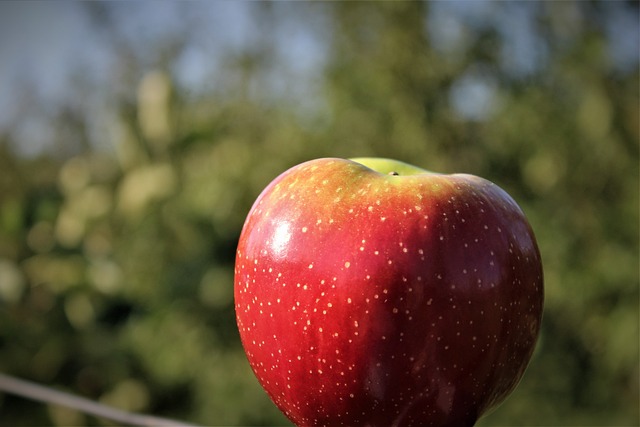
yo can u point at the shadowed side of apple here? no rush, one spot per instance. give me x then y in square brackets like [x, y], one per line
[372, 292]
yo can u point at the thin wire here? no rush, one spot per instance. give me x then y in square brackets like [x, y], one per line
[40, 393]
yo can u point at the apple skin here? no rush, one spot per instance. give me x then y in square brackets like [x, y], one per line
[365, 297]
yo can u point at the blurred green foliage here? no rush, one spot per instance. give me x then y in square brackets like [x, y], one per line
[116, 277]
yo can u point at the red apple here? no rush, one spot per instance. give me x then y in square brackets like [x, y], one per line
[372, 292]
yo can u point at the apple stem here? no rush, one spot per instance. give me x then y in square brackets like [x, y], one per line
[40, 393]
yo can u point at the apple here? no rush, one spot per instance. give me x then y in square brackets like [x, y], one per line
[372, 292]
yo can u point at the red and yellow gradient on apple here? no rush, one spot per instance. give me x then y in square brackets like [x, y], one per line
[371, 292]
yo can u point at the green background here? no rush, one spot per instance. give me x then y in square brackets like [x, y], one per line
[116, 256]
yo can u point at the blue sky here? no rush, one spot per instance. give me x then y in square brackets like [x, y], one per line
[46, 46]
